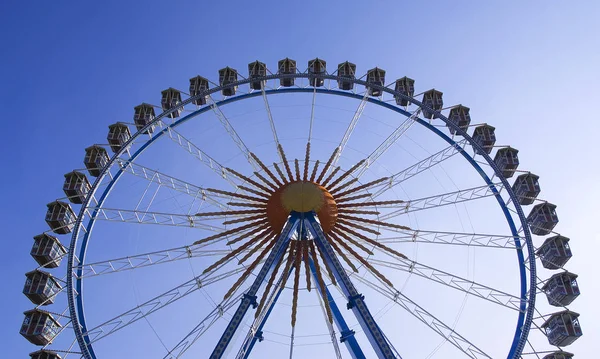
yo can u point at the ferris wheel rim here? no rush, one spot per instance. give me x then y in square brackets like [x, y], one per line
[75, 302]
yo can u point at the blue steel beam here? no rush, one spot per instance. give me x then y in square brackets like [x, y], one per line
[249, 298]
[347, 334]
[356, 301]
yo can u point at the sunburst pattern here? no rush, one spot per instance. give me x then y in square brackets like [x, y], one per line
[342, 209]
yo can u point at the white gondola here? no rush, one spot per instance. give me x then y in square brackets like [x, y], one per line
[286, 66]
[60, 217]
[433, 99]
[47, 250]
[143, 115]
[562, 328]
[316, 67]
[118, 135]
[198, 85]
[559, 355]
[460, 117]
[375, 76]
[171, 98]
[542, 219]
[346, 70]
[40, 287]
[555, 252]
[405, 86]
[257, 69]
[76, 186]
[507, 160]
[228, 76]
[39, 327]
[561, 289]
[95, 160]
[526, 188]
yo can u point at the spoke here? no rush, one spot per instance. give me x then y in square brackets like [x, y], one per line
[232, 133]
[421, 166]
[169, 181]
[453, 281]
[435, 324]
[441, 200]
[195, 151]
[202, 327]
[271, 122]
[351, 126]
[453, 238]
[143, 310]
[142, 217]
[389, 141]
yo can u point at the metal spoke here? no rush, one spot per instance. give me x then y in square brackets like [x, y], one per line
[421, 166]
[202, 327]
[143, 310]
[195, 151]
[357, 114]
[435, 324]
[169, 181]
[271, 122]
[453, 281]
[389, 141]
[232, 133]
[143, 217]
[453, 238]
[441, 200]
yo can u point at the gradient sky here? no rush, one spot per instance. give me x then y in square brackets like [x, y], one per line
[529, 68]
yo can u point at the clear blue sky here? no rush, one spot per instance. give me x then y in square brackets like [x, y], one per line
[69, 70]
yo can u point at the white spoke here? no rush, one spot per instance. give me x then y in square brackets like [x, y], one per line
[143, 217]
[453, 238]
[441, 200]
[350, 129]
[271, 122]
[232, 133]
[421, 166]
[435, 324]
[389, 141]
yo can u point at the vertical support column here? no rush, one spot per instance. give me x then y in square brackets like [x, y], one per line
[347, 334]
[356, 300]
[249, 297]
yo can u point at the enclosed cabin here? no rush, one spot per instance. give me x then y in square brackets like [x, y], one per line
[228, 76]
[76, 187]
[433, 100]
[60, 217]
[542, 218]
[555, 252]
[118, 135]
[47, 250]
[143, 115]
[198, 85]
[256, 70]
[485, 136]
[405, 86]
[39, 327]
[559, 355]
[526, 188]
[286, 66]
[44, 354]
[561, 289]
[95, 160]
[460, 117]
[316, 68]
[41, 287]
[375, 76]
[507, 160]
[171, 99]
[562, 328]
[347, 72]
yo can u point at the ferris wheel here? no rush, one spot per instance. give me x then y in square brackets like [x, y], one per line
[301, 213]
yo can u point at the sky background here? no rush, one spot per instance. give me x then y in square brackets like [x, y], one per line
[70, 69]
